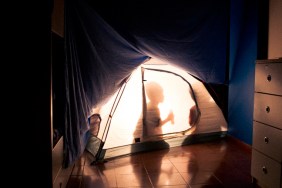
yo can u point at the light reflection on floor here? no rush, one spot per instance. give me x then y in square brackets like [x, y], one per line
[220, 163]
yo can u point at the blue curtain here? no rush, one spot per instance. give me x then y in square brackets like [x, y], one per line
[243, 55]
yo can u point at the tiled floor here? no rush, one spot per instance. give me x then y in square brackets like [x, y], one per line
[221, 163]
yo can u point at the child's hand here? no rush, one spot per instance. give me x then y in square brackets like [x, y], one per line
[171, 117]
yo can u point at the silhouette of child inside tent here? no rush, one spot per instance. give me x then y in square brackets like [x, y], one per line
[152, 120]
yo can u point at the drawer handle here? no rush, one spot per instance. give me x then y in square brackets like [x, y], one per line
[269, 78]
[266, 140]
[267, 109]
[264, 170]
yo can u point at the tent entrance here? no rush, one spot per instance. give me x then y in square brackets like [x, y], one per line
[170, 108]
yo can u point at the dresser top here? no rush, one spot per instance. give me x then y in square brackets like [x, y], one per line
[278, 60]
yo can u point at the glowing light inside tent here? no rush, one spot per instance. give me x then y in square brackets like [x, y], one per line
[127, 117]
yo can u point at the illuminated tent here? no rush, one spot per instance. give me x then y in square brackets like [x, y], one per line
[158, 103]
[106, 41]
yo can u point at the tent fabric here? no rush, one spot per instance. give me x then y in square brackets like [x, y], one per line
[106, 41]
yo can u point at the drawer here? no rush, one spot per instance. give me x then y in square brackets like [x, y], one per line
[268, 140]
[268, 78]
[265, 170]
[268, 109]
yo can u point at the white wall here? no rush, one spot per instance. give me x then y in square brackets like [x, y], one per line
[275, 29]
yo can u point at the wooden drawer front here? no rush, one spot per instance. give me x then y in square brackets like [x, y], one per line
[268, 140]
[268, 78]
[268, 109]
[265, 170]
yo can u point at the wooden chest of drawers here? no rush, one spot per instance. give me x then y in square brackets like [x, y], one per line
[266, 167]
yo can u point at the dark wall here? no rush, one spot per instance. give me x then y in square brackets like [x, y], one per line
[58, 86]
[28, 77]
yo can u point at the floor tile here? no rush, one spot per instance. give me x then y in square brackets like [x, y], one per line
[132, 180]
[130, 169]
[167, 179]
[161, 168]
[92, 181]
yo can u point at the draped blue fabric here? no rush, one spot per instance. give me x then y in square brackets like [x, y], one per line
[106, 40]
[243, 55]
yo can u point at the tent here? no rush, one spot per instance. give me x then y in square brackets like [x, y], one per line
[107, 41]
[159, 104]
